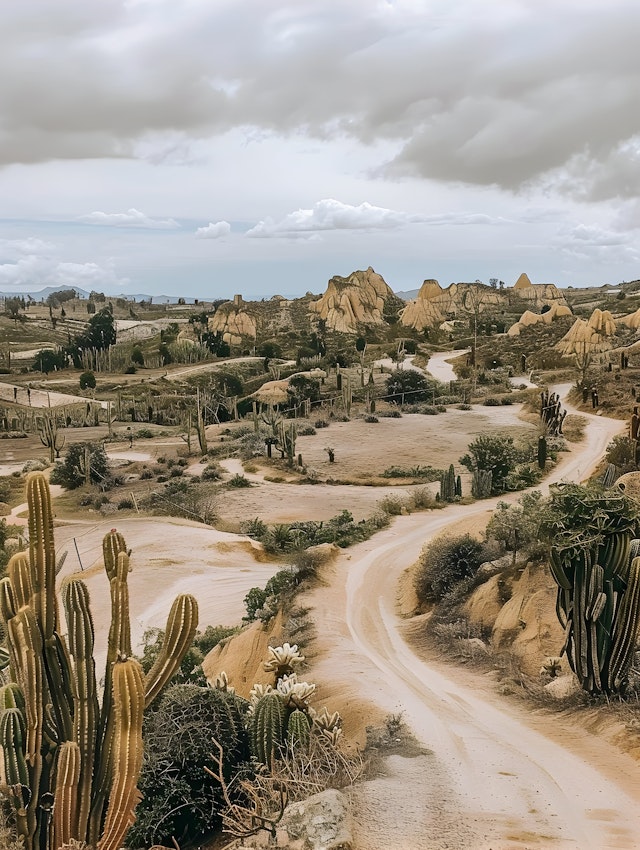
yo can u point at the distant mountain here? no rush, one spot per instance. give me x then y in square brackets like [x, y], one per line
[408, 295]
[43, 294]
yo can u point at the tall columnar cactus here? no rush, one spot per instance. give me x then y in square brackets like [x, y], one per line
[542, 451]
[481, 483]
[594, 562]
[552, 414]
[347, 395]
[287, 439]
[60, 746]
[47, 426]
[448, 485]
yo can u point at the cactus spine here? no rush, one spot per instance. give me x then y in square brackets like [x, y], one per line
[57, 741]
[268, 727]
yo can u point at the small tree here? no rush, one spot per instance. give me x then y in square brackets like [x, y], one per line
[445, 563]
[495, 454]
[87, 380]
[72, 472]
[409, 387]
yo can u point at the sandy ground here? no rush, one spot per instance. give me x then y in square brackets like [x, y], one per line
[42, 398]
[492, 775]
[169, 556]
[362, 452]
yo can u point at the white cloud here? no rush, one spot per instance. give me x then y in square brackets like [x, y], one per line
[213, 230]
[20, 247]
[330, 214]
[132, 218]
[591, 241]
[32, 273]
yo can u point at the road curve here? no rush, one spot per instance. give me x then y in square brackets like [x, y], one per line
[504, 781]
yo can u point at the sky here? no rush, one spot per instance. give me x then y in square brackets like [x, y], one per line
[211, 147]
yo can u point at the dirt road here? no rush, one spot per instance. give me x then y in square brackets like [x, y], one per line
[492, 776]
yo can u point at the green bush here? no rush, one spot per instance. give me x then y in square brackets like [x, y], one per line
[71, 474]
[494, 453]
[179, 799]
[445, 563]
[87, 380]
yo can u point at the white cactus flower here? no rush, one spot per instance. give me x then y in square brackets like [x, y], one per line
[282, 657]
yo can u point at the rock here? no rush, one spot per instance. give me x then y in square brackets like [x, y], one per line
[563, 686]
[321, 822]
[473, 647]
[363, 298]
[235, 321]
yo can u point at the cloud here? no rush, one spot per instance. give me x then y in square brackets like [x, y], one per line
[591, 241]
[14, 248]
[330, 214]
[132, 218]
[511, 94]
[33, 272]
[213, 230]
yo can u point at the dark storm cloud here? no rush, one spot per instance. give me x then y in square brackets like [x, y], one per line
[502, 94]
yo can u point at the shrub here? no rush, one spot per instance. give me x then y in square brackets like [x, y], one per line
[321, 423]
[446, 562]
[491, 402]
[408, 386]
[517, 526]
[238, 481]
[371, 419]
[87, 380]
[306, 431]
[494, 453]
[70, 473]
[125, 504]
[464, 407]
[211, 472]
[392, 505]
[179, 798]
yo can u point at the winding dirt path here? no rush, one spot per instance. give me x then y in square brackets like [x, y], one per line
[492, 776]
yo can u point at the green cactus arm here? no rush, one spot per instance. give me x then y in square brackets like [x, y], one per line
[625, 629]
[180, 630]
[19, 574]
[65, 794]
[16, 774]
[11, 696]
[85, 697]
[8, 607]
[42, 552]
[113, 544]
[128, 693]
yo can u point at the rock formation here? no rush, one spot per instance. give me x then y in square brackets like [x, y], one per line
[528, 318]
[538, 294]
[363, 298]
[423, 313]
[592, 337]
[235, 320]
[632, 320]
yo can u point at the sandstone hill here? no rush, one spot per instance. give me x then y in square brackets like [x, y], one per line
[361, 299]
[435, 305]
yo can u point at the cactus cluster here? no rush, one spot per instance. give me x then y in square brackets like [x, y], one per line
[50, 437]
[450, 486]
[72, 765]
[280, 715]
[552, 414]
[287, 441]
[595, 565]
[481, 483]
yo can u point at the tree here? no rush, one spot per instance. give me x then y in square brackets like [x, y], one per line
[495, 454]
[87, 380]
[137, 356]
[12, 307]
[71, 473]
[47, 360]
[300, 388]
[409, 387]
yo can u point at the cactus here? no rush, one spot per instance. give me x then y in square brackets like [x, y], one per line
[268, 727]
[287, 440]
[481, 483]
[57, 742]
[542, 451]
[448, 485]
[552, 414]
[609, 475]
[347, 396]
[47, 426]
[593, 561]
[298, 728]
